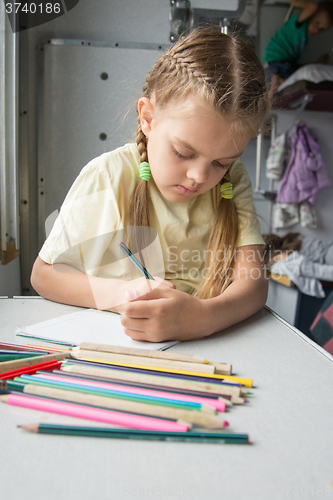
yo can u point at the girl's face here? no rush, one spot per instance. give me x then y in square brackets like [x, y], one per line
[189, 154]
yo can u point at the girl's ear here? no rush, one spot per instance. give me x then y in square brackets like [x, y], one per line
[146, 114]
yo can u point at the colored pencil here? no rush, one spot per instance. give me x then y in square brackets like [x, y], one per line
[22, 363]
[134, 351]
[128, 360]
[30, 369]
[141, 385]
[159, 381]
[97, 414]
[28, 379]
[197, 378]
[222, 368]
[190, 436]
[215, 403]
[47, 348]
[138, 381]
[117, 393]
[12, 355]
[243, 381]
[200, 419]
[18, 347]
[135, 261]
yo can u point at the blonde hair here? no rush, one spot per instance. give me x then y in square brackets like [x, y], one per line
[225, 72]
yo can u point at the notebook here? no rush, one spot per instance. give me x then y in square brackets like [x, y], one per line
[88, 325]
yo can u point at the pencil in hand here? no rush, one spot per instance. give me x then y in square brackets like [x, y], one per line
[135, 261]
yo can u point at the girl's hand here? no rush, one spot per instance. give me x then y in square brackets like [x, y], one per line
[164, 314]
[128, 290]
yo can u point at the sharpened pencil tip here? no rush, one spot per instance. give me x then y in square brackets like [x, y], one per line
[226, 424]
[30, 427]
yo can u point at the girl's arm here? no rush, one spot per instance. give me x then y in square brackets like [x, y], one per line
[308, 8]
[172, 315]
[64, 284]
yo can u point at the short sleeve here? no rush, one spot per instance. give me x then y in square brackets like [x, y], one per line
[92, 213]
[249, 227]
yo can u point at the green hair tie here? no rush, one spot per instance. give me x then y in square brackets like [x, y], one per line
[145, 172]
[226, 190]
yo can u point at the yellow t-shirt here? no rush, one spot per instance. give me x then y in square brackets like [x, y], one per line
[89, 228]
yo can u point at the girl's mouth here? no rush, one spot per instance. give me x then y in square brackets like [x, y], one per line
[185, 190]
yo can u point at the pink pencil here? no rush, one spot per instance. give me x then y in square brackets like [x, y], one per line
[218, 405]
[97, 414]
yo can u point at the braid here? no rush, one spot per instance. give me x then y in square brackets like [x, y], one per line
[139, 213]
[141, 142]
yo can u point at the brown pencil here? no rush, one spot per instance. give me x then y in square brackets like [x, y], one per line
[7, 366]
[221, 368]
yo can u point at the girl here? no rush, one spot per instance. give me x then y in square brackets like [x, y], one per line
[202, 102]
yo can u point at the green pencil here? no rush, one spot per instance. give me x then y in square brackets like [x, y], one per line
[194, 436]
[19, 383]
[9, 356]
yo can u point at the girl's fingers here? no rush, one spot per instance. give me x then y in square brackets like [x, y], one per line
[144, 309]
[146, 290]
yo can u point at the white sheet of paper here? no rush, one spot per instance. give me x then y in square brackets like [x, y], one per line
[89, 325]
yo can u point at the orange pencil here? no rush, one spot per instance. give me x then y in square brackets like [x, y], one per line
[46, 348]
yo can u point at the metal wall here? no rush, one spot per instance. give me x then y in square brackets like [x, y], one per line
[116, 21]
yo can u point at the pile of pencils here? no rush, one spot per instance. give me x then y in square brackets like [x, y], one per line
[146, 394]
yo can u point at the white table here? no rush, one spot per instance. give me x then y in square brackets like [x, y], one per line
[289, 419]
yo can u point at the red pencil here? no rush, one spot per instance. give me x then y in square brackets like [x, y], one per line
[50, 365]
[17, 364]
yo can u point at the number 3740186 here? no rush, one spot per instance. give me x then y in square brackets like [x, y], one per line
[33, 8]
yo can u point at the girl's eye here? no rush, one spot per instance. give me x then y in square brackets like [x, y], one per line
[189, 157]
[184, 157]
[221, 165]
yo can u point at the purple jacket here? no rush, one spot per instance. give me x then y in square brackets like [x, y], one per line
[306, 172]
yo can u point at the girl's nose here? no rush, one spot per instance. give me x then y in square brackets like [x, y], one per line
[198, 173]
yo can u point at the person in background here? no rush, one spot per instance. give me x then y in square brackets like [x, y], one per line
[284, 49]
[306, 261]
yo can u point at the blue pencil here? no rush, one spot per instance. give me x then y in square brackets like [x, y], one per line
[106, 392]
[135, 261]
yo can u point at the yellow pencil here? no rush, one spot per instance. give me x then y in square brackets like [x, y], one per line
[243, 381]
[149, 379]
[127, 359]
